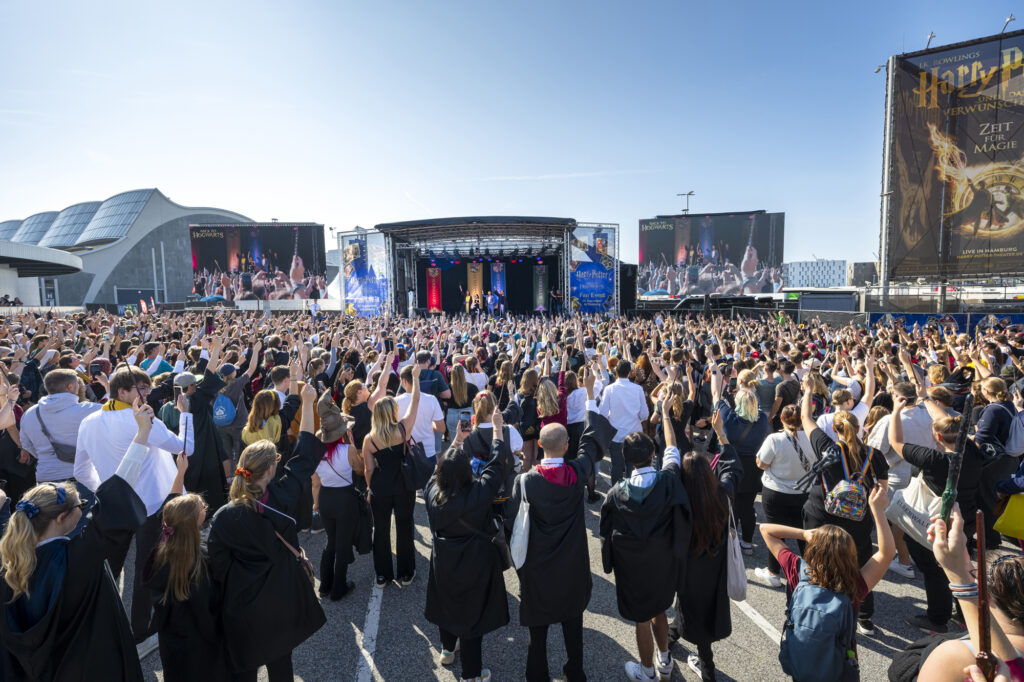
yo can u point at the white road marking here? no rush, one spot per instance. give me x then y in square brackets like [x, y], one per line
[367, 671]
[759, 620]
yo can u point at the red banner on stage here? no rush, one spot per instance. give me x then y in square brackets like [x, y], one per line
[434, 290]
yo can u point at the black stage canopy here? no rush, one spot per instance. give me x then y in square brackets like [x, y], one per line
[497, 235]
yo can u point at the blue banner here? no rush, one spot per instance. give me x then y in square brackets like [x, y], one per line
[366, 284]
[592, 269]
[496, 302]
[961, 322]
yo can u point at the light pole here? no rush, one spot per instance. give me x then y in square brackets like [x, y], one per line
[931, 34]
[687, 195]
[1008, 20]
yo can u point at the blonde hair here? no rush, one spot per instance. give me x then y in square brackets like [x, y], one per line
[256, 460]
[746, 379]
[18, 546]
[180, 551]
[746, 405]
[458, 383]
[483, 407]
[384, 422]
[996, 388]
[547, 399]
[675, 394]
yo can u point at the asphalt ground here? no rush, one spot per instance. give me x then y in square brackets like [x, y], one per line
[401, 645]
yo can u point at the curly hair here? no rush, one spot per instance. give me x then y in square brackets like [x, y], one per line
[831, 557]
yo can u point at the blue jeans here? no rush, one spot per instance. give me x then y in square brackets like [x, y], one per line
[452, 420]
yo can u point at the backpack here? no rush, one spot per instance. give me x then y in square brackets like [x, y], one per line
[817, 638]
[1015, 442]
[848, 499]
[223, 410]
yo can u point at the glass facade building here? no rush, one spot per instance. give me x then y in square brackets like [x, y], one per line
[69, 225]
[114, 217]
[34, 227]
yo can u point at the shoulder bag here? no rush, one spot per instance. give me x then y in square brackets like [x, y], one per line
[521, 529]
[63, 451]
[498, 539]
[300, 556]
[912, 509]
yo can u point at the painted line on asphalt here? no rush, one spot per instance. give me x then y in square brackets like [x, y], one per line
[367, 671]
[759, 620]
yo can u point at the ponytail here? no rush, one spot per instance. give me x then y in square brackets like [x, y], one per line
[848, 430]
[38, 507]
[255, 461]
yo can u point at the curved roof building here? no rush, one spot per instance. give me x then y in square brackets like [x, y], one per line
[134, 241]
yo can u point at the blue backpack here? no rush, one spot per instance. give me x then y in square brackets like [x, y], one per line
[818, 636]
[223, 410]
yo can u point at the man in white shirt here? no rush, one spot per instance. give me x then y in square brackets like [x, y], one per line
[624, 405]
[61, 413]
[103, 438]
[429, 415]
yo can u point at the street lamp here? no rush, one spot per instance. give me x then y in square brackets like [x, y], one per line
[931, 34]
[687, 195]
[1008, 20]
[879, 68]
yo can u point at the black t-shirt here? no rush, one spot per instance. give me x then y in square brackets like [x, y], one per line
[935, 465]
[814, 509]
[789, 391]
[364, 421]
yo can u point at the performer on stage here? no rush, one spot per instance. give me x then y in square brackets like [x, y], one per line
[491, 301]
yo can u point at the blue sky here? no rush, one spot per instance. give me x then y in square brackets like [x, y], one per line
[352, 113]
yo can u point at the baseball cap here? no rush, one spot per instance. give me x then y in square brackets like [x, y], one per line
[227, 369]
[184, 380]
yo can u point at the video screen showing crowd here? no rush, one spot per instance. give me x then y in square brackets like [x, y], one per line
[258, 262]
[511, 431]
[719, 254]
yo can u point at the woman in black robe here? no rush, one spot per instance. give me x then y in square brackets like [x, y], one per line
[206, 469]
[269, 607]
[466, 596]
[185, 604]
[61, 616]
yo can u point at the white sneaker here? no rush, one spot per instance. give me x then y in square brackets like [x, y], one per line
[485, 676]
[767, 577]
[664, 664]
[447, 657]
[693, 660]
[635, 672]
[899, 569]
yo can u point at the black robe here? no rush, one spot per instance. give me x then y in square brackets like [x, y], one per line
[702, 588]
[645, 533]
[85, 635]
[191, 645]
[555, 580]
[269, 607]
[466, 588]
[205, 473]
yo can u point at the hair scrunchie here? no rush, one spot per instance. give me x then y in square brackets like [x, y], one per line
[244, 473]
[62, 495]
[27, 508]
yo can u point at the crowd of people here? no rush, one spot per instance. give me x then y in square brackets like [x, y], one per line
[213, 438]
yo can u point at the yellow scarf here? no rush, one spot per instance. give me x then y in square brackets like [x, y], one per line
[115, 404]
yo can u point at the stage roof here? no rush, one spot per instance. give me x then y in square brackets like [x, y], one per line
[482, 235]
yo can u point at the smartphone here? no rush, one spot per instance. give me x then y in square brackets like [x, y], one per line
[120, 331]
[464, 424]
[389, 345]
[177, 392]
[209, 324]
[246, 281]
[95, 369]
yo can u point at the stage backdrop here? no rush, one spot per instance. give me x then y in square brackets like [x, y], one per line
[957, 178]
[476, 281]
[364, 259]
[592, 270]
[540, 286]
[434, 290]
[719, 253]
[261, 260]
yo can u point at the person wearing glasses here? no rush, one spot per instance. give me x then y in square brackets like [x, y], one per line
[103, 437]
[60, 613]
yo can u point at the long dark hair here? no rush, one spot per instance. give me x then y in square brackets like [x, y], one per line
[453, 473]
[708, 502]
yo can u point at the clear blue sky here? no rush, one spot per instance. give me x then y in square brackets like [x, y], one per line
[365, 112]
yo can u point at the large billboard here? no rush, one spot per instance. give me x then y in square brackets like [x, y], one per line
[592, 268]
[258, 261]
[719, 254]
[957, 160]
[364, 272]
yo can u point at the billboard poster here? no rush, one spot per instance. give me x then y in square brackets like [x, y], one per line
[497, 291]
[957, 160]
[592, 269]
[364, 261]
[434, 290]
[476, 283]
[719, 254]
[540, 287]
[258, 261]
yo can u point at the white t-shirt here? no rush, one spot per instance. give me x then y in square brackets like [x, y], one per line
[429, 411]
[478, 379]
[785, 467]
[515, 441]
[860, 411]
[337, 473]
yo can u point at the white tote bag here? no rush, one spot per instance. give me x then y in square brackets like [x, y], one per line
[520, 530]
[912, 509]
[736, 579]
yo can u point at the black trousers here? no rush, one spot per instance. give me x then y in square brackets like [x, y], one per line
[744, 505]
[339, 510]
[472, 659]
[537, 654]
[707, 659]
[278, 671]
[784, 508]
[17, 485]
[864, 552]
[147, 536]
[402, 505]
[936, 584]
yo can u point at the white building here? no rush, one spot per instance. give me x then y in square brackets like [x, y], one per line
[814, 273]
